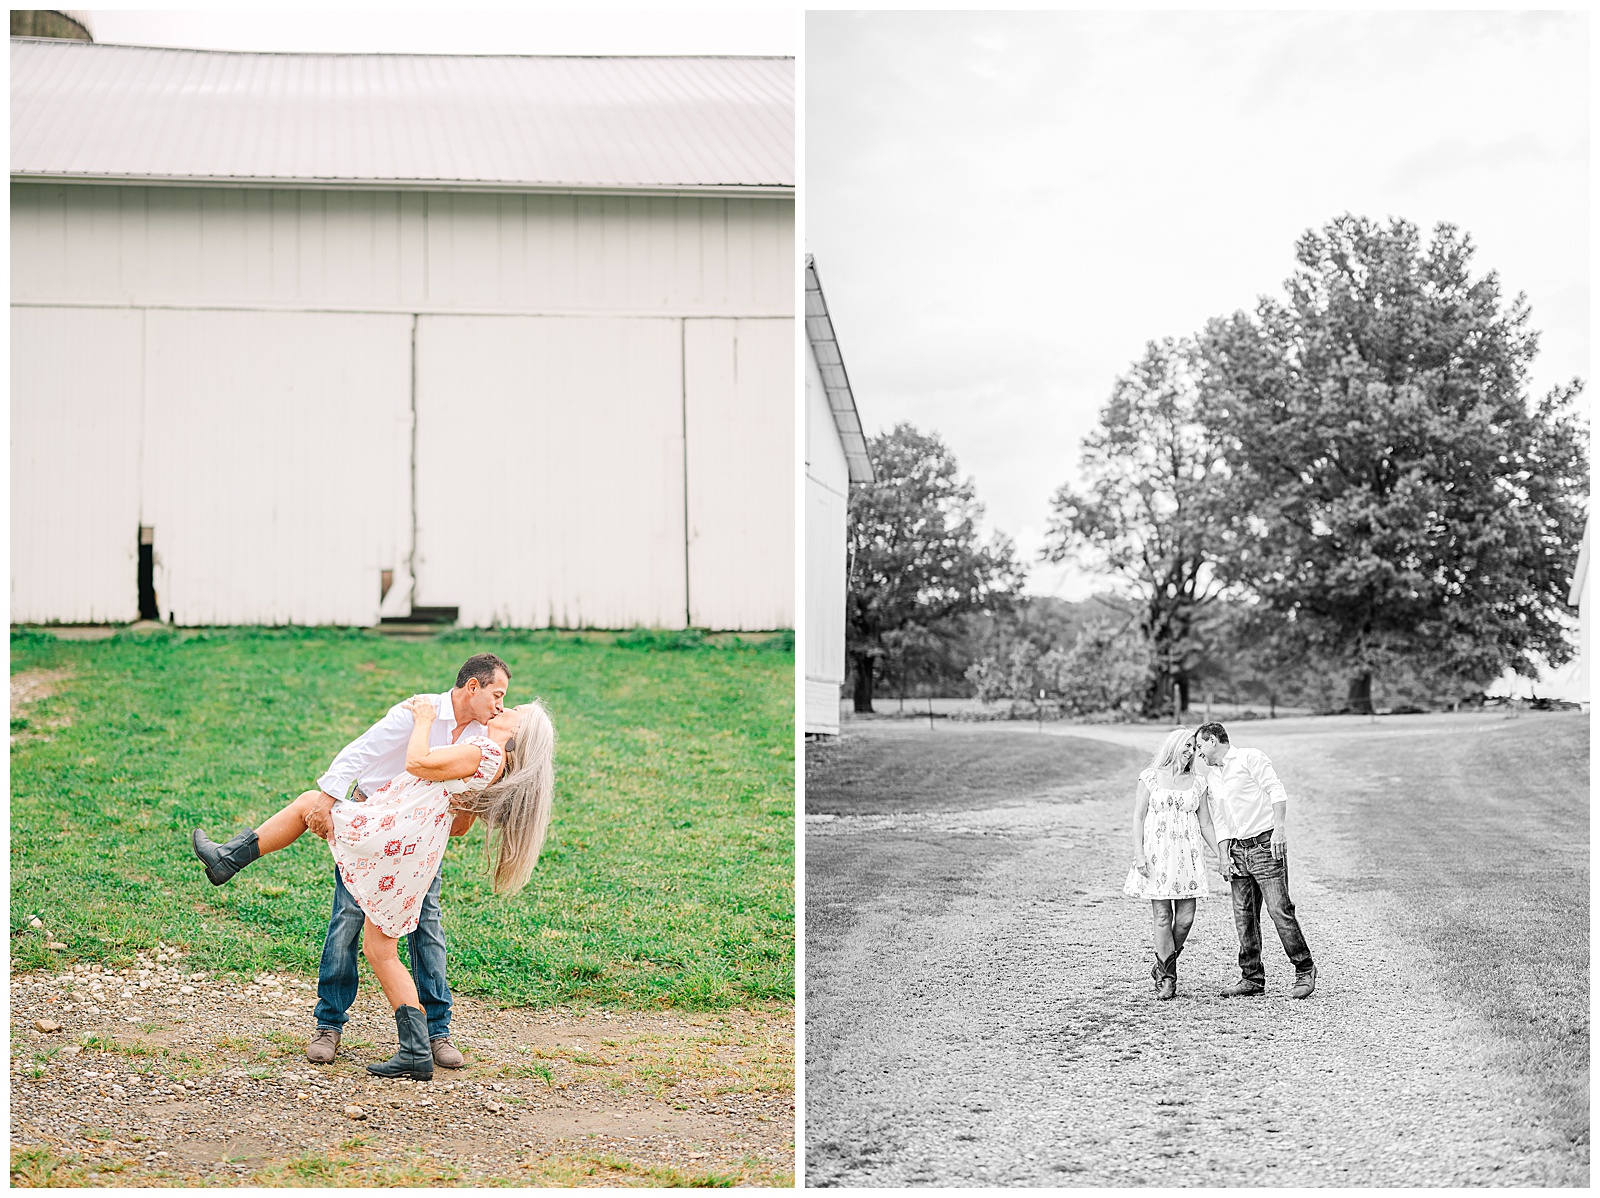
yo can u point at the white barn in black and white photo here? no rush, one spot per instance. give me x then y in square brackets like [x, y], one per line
[341, 336]
[836, 456]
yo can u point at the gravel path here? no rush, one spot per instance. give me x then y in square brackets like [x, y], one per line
[162, 1076]
[996, 1026]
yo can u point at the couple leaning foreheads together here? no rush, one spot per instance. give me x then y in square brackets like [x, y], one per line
[1199, 789]
[387, 806]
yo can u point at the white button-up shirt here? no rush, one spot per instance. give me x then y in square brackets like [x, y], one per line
[379, 754]
[1243, 789]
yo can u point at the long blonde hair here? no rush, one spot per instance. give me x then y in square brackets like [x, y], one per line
[1177, 753]
[517, 807]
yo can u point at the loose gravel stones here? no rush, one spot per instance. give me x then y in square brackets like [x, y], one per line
[164, 1075]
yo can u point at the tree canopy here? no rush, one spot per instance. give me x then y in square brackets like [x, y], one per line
[1387, 485]
[916, 558]
[1148, 506]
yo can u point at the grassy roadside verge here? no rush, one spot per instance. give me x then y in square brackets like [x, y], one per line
[1485, 839]
[667, 879]
[862, 775]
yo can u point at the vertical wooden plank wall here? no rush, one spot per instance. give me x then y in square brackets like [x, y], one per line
[257, 344]
[741, 462]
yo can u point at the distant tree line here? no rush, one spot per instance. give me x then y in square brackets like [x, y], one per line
[1350, 484]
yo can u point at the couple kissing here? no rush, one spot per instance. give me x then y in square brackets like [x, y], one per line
[1201, 790]
[387, 807]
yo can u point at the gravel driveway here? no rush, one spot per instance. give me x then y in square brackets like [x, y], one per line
[981, 1014]
[163, 1076]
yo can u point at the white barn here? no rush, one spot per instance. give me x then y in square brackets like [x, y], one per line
[346, 336]
[836, 456]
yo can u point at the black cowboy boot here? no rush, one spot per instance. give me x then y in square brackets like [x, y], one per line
[1172, 961]
[1167, 982]
[222, 861]
[415, 1058]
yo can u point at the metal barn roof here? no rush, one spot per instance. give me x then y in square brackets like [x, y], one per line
[132, 114]
[830, 364]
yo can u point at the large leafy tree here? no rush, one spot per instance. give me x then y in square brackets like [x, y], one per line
[916, 558]
[1147, 509]
[1391, 490]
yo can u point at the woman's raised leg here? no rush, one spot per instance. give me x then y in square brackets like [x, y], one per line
[283, 829]
[222, 861]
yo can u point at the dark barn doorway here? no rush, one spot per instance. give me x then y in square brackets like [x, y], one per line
[147, 574]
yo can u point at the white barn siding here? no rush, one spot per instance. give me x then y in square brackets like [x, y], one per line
[827, 505]
[394, 251]
[277, 463]
[291, 311]
[75, 464]
[739, 420]
[550, 470]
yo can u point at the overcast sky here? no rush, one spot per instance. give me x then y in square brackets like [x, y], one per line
[518, 31]
[1004, 208]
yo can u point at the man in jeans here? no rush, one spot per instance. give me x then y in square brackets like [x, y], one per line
[1251, 814]
[364, 765]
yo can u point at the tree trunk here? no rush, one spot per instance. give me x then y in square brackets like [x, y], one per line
[1359, 699]
[863, 683]
[1156, 693]
[1183, 695]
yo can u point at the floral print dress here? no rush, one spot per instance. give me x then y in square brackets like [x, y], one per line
[388, 848]
[1172, 844]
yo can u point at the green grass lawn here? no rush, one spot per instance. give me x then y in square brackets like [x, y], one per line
[667, 878]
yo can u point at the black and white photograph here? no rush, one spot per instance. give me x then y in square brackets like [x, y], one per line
[403, 598]
[1196, 654]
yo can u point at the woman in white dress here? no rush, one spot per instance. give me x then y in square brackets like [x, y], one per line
[388, 848]
[1171, 820]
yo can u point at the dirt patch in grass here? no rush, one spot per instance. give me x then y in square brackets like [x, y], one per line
[28, 689]
[33, 685]
[906, 769]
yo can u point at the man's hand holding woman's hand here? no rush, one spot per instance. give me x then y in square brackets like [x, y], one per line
[1225, 859]
[1141, 865]
[422, 709]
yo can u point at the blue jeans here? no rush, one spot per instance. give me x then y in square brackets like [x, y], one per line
[1259, 877]
[337, 979]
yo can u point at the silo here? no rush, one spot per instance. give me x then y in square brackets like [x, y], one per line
[38, 23]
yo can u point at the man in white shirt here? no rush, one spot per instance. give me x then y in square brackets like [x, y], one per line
[361, 767]
[1251, 812]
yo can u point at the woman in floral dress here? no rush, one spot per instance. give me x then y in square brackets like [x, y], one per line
[388, 848]
[1171, 820]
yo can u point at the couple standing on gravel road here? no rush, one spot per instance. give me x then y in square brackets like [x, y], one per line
[1199, 788]
[387, 806]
